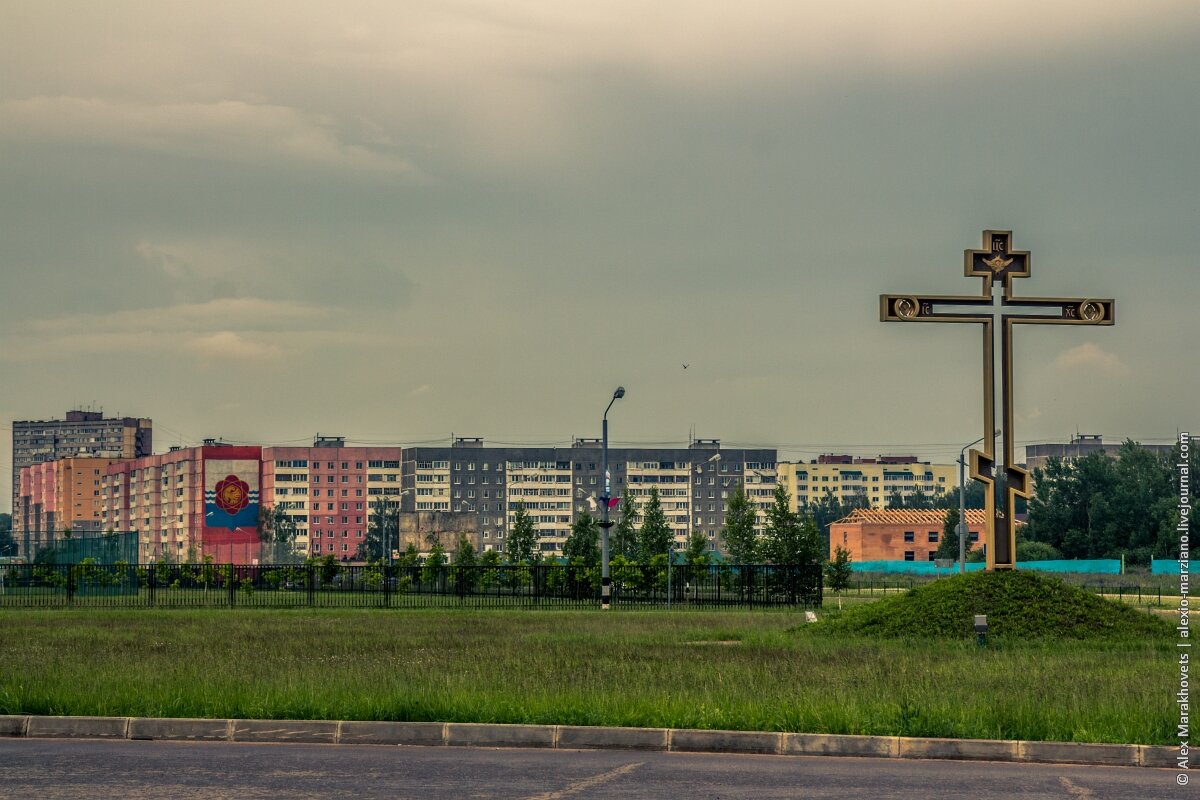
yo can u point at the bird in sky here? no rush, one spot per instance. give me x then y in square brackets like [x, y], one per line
[685, 366]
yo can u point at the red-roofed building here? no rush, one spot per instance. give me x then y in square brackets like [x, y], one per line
[896, 534]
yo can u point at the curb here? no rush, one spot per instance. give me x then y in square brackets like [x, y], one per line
[575, 737]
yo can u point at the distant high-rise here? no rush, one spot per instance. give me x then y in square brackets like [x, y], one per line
[82, 433]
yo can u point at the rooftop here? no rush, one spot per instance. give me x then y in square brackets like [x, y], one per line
[906, 516]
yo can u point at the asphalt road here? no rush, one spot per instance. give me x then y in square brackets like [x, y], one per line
[131, 770]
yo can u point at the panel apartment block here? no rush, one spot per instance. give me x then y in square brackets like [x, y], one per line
[80, 433]
[557, 484]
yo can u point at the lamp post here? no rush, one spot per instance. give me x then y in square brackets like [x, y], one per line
[962, 503]
[606, 523]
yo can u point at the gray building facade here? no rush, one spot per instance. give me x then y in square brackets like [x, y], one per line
[557, 484]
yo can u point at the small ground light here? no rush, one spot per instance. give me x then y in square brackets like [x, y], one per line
[981, 628]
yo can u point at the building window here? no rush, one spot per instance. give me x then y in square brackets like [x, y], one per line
[910, 536]
[909, 555]
[933, 536]
[973, 536]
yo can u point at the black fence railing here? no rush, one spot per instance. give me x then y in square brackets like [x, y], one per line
[377, 586]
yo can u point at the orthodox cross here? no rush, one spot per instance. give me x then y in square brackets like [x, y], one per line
[997, 263]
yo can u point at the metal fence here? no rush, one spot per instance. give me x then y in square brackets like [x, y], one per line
[375, 586]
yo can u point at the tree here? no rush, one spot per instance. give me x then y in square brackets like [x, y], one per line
[1099, 507]
[741, 538]
[829, 509]
[582, 547]
[788, 539]
[948, 546]
[698, 553]
[8, 544]
[466, 577]
[431, 570]
[624, 534]
[1035, 551]
[838, 572]
[277, 533]
[522, 539]
[654, 537]
[410, 557]
[382, 527]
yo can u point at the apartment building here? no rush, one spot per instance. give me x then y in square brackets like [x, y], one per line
[875, 479]
[58, 496]
[79, 433]
[557, 484]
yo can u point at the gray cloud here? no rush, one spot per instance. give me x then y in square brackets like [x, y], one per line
[401, 220]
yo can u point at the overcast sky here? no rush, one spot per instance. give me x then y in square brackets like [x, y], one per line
[397, 221]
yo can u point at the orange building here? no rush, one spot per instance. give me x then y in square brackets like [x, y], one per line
[55, 496]
[896, 534]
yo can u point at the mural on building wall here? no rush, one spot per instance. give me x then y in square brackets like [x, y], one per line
[231, 494]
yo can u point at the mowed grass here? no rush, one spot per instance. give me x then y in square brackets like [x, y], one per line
[691, 669]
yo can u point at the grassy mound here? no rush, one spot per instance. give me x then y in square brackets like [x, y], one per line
[1018, 605]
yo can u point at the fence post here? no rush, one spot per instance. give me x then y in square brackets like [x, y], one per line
[387, 585]
[70, 584]
[232, 587]
[152, 583]
[750, 581]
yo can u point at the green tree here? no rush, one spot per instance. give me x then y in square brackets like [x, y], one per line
[582, 547]
[624, 533]
[741, 538]
[277, 533]
[410, 557]
[838, 572]
[698, 554]
[382, 525]
[654, 537]
[1100, 507]
[431, 570]
[8, 544]
[466, 576]
[788, 539]
[1035, 551]
[522, 539]
[948, 545]
[828, 509]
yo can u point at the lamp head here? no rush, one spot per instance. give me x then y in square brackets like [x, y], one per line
[619, 393]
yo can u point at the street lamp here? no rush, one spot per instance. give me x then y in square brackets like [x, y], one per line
[962, 503]
[606, 523]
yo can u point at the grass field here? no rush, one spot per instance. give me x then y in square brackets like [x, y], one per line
[736, 670]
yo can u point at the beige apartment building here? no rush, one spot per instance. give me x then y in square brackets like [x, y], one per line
[875, 479]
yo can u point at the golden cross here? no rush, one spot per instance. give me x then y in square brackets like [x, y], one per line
[997, 263]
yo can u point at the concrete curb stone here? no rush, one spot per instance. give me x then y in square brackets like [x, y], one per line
[1115, 755]
[78, 728]
[697, 741]
[427, 734]
[13, 725]
[209, 730]
[958, 749]
[473, 734]
[582, 737]
[830, 744]
[283, 730]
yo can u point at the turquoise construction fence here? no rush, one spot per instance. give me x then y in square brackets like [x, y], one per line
[1097, 566]
[1164, 566]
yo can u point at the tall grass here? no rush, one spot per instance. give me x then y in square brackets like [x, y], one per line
[694, 670]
